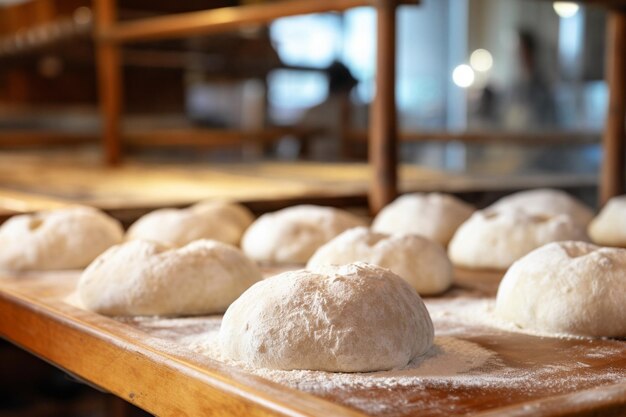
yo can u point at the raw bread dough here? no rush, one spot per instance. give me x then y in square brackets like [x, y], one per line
[493, 239]
[435, 216]
[423, 263]
[567, 287]
[349, 318]
[216, 220]
[68, 238]
[147, 278]
[293, 234]
[546, 201]
[609, 227]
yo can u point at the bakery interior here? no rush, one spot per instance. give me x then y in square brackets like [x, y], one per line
[312, 208]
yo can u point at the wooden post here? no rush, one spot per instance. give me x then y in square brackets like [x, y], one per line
[612, 175]
[383, 130]
[109, 81]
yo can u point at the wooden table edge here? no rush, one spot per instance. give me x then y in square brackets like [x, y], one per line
[107, 360]
[156, 385]
[578, 403]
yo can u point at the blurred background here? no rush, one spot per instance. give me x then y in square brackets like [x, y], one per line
[500, 68]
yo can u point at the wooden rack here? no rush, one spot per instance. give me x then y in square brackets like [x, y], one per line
[110, 34]
[382, 135]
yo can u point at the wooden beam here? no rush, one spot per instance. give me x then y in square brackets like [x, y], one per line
[612, 175]
[219, 20]
[383, 125]
[48, 138]
[208, 138]
[548, 138]
[109, 82]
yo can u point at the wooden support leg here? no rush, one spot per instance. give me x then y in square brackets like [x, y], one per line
[383, 130]
[612, 175]
[109, 82]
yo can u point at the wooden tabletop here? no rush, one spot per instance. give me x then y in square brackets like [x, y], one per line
[137, 360]
[31, 181]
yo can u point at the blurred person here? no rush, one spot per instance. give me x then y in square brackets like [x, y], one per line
[334, 116]
[529, 104]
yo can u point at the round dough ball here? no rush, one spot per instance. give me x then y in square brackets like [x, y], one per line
[423, 263]
[567, 287]
[435, 216]
[349, 318]
[293, 234]
[609, 227]
[546, 201]
[493, 239]
[215, 220]
[68, 238]
[147, 278]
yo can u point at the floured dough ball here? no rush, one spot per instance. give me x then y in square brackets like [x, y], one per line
[493, 239]
[567, 287]
[423, 263]
[147, 278]
[293, 234]
[609, 227]
[435, 216]
[349, 318]
[68, 238]
[545, 201]
[215, 220]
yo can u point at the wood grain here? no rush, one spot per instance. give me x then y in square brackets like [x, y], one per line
[95, 348]
[131, 362]
[80, 179]
[613, 162]
[383, 146]
[110, 88]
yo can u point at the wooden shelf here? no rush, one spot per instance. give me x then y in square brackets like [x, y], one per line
[492, 137]
[208, 138]
[220, 20]
[137, 187]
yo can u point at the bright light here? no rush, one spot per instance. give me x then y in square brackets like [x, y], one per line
[463, 76]
[565, 9]
[481, 60]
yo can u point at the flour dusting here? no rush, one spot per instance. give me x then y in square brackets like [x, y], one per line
[472, 358]
[448, 357]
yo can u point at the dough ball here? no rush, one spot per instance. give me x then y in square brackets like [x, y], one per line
[349, 318]
[293, 234]
[545, 201]
[68, 238]
[493, 239]
[435, 216]
[147, 278]
[423, 263]
[609, 227]
[567, 287]
[216, 220]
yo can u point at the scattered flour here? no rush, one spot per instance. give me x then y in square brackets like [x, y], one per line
[448, 357]
[446, 380]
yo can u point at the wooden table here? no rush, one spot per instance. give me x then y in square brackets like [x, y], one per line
[135, 360]
[139, 186]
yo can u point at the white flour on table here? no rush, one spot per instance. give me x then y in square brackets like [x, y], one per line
[455, 365]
